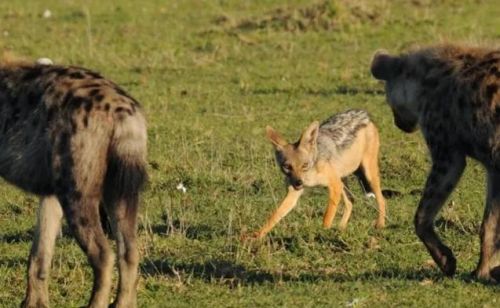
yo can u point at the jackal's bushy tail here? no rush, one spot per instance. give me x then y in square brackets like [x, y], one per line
[126, 174]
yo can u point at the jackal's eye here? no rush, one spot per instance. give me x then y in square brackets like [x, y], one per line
[286, 168]
[305, 166]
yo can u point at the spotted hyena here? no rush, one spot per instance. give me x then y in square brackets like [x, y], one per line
[75, 139]
[452, 93]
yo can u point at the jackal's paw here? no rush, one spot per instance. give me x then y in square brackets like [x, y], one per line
[327, 224]
[370, 195]
[342, 227]
[379, 224]
[251, 236]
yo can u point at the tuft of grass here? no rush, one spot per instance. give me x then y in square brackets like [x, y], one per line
[211, 75]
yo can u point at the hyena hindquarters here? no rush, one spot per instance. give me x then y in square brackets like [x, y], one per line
[75, 139]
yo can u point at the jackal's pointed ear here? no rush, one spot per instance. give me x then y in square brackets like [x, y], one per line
[276, 139]
[385, 66]
[310, 136]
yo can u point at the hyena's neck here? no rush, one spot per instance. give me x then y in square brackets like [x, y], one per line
[5, 88]
[8, 82]
[4, 73]
[22, 86]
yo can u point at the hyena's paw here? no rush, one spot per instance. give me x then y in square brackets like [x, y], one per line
[481, 276]
[495, 274]
[492, 276]
[447, 263]
[35, 304]
[121, 304]
[35, 297]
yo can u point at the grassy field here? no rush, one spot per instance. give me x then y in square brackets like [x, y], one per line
[211, 75]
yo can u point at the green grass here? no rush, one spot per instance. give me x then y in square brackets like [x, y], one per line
[211, 75]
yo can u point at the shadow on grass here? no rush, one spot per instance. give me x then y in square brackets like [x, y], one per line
[294, 244]
[341, 90]
[27, 236]
[197, 232]
[14, 262]
[236, 274]
[391, 193]
[17, 237]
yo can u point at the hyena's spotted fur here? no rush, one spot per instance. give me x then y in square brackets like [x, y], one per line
[453, 93]
[75, 139]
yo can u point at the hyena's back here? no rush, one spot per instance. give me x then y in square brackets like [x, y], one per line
[67, 124]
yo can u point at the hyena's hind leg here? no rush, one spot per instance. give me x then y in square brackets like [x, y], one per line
[370, 169]
[125, 177]
[490, 230]
[84, 221]
[81, 163]
[123, 217]
[47, 228]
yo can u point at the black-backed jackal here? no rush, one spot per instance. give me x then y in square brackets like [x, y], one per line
[345, 143]
[75, 139]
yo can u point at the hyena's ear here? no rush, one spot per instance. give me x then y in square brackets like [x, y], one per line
[276, 139]
[310, 136]
[385, 66]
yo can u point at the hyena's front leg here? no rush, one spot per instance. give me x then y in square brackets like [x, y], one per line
[48, 225]
[286, 206]
[440, 183]
[490, 228]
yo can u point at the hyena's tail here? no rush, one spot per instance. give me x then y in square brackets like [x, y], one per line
[126, 173]
[125, 177]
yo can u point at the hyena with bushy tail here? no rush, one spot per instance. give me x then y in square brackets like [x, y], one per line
[78, 141]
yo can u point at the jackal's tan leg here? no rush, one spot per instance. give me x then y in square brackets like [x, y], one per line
[372, 175]
[370, 169]
[48, 225]
[347, 210]
[335, 189]
[286, 206]
[490, 226]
